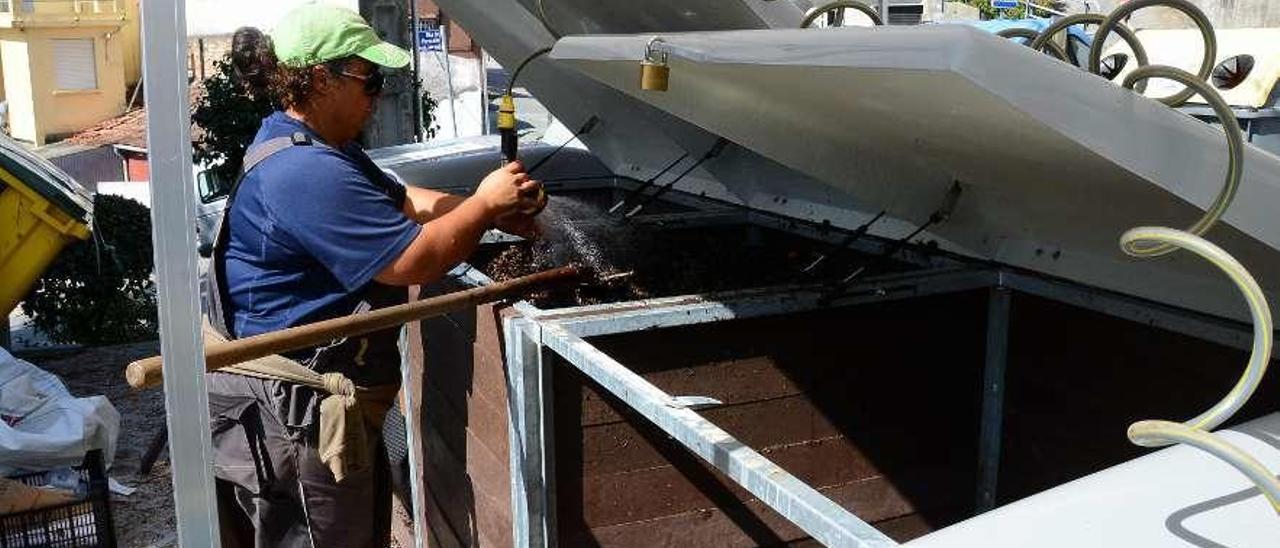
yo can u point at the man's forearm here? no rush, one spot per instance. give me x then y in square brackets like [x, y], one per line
[454, 235]
[443, 243]
[424, 205]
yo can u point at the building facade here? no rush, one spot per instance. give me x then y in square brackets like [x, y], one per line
[65, 64]
[1227, 14]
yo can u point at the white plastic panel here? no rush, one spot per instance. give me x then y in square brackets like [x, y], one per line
[1055, 163]
[1178, 496]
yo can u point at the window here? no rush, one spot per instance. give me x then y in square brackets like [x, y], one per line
[74, 66]
[213, 185]
[906, 15]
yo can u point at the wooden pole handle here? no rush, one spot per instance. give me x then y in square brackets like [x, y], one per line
[148, 372]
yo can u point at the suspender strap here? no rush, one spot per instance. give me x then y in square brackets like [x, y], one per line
[266, 149]
[218, 296]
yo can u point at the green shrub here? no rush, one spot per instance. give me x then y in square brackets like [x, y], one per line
[229, 116]
[988, 12]
[100, 291]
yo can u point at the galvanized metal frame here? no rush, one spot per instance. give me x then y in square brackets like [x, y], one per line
[1170, 318]
[411, 380]
[530, 431]
[594, 321]
[528, 338]
[173, 201]
[534, 332]
[801, 504]
[999, 302]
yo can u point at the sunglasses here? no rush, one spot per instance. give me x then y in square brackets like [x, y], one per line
[373, 81]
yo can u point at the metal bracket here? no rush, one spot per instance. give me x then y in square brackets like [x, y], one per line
[693, 402]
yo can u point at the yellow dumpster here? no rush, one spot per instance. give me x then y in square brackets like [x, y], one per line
[41, 211]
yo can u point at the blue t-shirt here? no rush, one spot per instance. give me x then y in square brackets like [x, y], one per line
[309, 231]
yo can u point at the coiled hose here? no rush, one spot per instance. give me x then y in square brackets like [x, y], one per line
[1197, 431]
[1235, 148]
[1045, 38]
[819, 11]
[1201, 20]
[1030, 36]
[1137, 81]
[1156, 241]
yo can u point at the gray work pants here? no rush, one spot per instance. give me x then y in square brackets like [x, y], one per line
[272, 488]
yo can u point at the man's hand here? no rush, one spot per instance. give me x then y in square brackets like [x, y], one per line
[506, 189]
[532, 202]
[519, 224]
[450, 237]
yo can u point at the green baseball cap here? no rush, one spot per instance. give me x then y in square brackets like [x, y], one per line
[317, 33]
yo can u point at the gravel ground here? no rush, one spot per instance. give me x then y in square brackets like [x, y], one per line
[145, 518]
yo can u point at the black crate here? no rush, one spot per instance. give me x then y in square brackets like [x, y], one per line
[83, 523]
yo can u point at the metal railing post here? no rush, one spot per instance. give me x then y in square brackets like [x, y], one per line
[992, 427]
[173, 232]
[528, 397]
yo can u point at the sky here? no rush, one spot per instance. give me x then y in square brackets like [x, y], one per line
[214, 17]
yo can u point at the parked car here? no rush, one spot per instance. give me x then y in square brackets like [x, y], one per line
[212, 187]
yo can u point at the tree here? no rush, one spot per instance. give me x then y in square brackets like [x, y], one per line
[1020, 12]
[229, 116]
[100, 291]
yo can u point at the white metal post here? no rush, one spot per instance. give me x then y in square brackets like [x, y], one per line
[164, 50]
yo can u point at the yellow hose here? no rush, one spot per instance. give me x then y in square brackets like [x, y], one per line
[1155, 241]
[1196, 432]
[819, 11]
[1112, 22]
[1148, 433]
[1235, 150]
[1045, 39]
[1030, 36]
[1262, 326]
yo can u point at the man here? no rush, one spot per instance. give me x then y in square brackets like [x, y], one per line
[314, 230]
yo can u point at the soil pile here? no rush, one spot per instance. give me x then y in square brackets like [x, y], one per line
[630, 260]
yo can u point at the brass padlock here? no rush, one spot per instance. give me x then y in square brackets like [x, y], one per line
[654, 77]
[655, 73]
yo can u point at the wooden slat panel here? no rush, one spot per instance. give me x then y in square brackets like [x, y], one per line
[731, 525]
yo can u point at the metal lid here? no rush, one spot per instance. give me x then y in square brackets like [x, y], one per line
[46, 179]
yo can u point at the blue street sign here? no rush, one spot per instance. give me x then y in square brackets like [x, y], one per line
[430, 39]
[1004, 4]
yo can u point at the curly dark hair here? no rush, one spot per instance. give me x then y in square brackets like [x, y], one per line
[258, 69]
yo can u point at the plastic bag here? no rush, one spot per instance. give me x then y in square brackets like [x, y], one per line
[43, 427]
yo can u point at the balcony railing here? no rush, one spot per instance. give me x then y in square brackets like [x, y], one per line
[32, 10]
